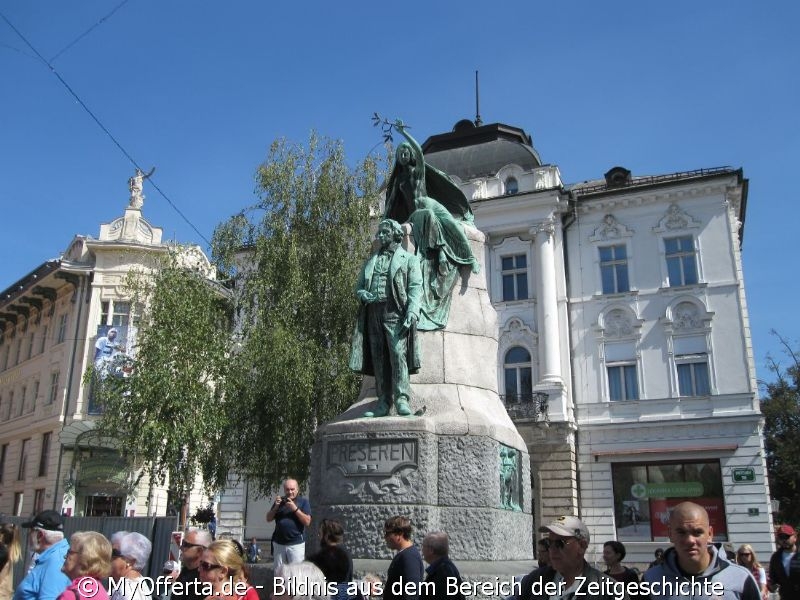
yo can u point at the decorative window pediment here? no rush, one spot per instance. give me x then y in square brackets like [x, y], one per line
[618, 322]
[676, 219]
[687, 314]
[610, 229]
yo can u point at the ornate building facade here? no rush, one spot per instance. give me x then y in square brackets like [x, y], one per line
[55, 322]
[624, 356]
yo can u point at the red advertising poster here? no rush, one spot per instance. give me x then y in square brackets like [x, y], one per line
[661, 507]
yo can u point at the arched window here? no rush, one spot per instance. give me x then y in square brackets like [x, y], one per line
[512, 187]
[518, 375]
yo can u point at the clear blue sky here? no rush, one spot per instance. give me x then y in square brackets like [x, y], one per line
[199, 89]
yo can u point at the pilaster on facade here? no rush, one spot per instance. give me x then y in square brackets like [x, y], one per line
[553, 469]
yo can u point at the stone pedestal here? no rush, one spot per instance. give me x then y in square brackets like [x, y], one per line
[444, 469]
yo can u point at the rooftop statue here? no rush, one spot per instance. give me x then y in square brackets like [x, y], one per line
[136, 186]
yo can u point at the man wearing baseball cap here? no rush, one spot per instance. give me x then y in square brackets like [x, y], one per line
[568, 575]
[784, 564]
[45, 581]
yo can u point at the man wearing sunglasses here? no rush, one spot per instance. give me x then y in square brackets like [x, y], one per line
[44, 580]
[188, 585]
[568, 575]
[784, 564]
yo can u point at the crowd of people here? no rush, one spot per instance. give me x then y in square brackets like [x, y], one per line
[87, 566]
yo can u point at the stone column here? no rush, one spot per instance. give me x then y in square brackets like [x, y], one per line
[547, 304]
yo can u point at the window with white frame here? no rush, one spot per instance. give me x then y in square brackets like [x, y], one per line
[693, 379]
[515, 277]
[38, 501]
[23, 459]
[691, 359]
[121, 314]
[62, 329]
[518, 374]
[614, 269]
[35, 395]
[105, 308]
[54, 377]
[44, 454]
[622, 373]
[623, 382]
[681, 258]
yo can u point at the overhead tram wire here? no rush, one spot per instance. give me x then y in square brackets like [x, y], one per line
[88, 31]
[103, 127]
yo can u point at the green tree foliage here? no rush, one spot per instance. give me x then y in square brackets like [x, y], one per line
[168, 412]
[295, 258]
[781, 409]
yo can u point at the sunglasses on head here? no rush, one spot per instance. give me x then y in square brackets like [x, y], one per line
[207, 566]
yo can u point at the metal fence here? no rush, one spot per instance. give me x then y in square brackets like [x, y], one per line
[157, 529]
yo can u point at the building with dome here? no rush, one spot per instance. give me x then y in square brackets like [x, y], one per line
[625, 356]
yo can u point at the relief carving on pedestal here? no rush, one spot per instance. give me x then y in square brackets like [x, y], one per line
[374, 467]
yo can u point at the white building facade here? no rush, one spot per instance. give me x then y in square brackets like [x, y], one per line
[51, 321]
[624, 344]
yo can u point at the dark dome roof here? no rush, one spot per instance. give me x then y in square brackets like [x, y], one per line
[470, 152]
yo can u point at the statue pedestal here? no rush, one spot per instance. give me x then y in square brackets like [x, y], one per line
[460, 467]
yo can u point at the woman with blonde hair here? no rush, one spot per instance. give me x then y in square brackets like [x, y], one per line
[222, 567]
[10, 553]
[746, 557]
[88, 561]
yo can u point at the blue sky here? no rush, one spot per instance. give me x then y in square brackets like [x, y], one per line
[200, 89]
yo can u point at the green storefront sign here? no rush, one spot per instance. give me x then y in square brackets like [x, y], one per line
[682, 489]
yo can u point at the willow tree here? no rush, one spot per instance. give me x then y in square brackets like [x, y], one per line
[167, 411]
[294, 256]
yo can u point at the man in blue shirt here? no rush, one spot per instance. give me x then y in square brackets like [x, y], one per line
[406, 571]
[45, 581]
[292, 514]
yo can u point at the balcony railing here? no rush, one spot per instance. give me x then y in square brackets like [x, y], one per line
[527, 406]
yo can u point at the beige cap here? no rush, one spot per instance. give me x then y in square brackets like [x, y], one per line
[567, 526]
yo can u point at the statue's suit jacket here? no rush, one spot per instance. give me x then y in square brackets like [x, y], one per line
[405, 275]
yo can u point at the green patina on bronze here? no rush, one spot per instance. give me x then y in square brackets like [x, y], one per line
[399, 292]
[436, 208]
[384, 343]
[510, 479]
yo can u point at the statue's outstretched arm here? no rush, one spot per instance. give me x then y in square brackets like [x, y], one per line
[414, 145]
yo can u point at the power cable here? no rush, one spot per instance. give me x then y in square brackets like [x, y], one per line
[88, 31]
[103, 127]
